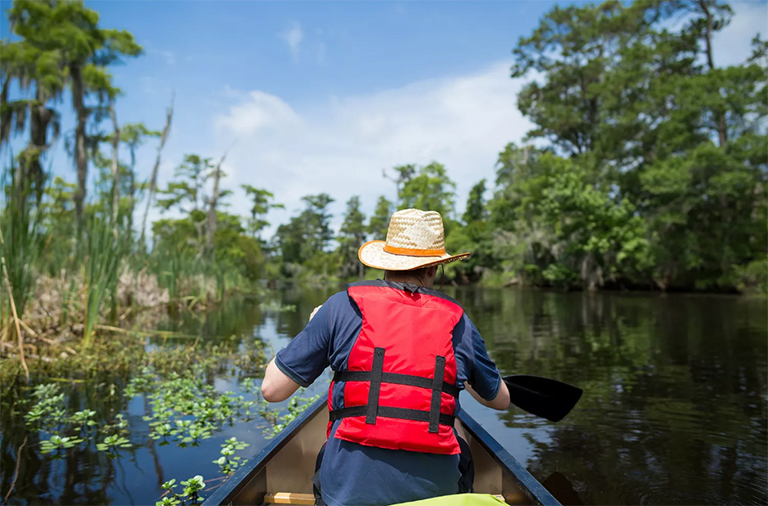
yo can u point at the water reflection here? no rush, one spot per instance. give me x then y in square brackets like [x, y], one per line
[674, 407]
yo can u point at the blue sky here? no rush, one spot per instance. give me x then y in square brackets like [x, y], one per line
[320, 97]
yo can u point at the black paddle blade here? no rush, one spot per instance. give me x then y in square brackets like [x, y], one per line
[544, 397]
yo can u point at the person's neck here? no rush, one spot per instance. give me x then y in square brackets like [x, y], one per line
[405, 279]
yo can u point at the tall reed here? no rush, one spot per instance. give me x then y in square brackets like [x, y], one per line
[21, 242]
[103, 251]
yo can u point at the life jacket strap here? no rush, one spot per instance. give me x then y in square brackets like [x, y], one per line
[389, 412]
[396, 378]
[437, 383]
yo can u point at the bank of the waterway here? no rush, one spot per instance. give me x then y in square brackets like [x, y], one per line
[674, 409]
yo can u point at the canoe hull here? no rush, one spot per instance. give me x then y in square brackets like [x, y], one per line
[287, 464]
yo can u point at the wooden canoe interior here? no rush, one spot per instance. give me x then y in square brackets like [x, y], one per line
[286, 477]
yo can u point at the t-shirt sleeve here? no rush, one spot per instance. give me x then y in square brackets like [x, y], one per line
[306, 356]
[483, 375]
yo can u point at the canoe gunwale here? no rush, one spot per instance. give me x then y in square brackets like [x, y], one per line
[525, 481]
[235, 484]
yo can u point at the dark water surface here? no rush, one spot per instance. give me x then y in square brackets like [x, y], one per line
[675, 406]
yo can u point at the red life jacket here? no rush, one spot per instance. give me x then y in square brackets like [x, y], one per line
[400, 384]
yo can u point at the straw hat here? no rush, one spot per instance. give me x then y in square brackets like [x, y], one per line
[415, 239]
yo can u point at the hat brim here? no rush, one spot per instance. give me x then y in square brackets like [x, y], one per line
[373, 255]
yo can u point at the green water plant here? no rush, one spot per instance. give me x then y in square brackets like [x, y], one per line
[296, 406]
[119, 425]
[188, 410]
[57, 443]
[81, 420]
[170, 498]
[196, 433]
[168, 501]
[162, 431]
[192, 486]
[48, 412]
[140, 383]
[228, 462]
[249, 385]
[112, 443]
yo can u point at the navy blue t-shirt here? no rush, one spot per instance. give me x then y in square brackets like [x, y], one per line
[353, 474]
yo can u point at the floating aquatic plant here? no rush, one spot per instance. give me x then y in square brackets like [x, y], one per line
[296, 406]
[191, 488]
[228, 462]
[188, 410]
[81, 420]
[141, 383]
[48, 412]
[162, 431]
[112, 443]
[248, 385]
[58, 443]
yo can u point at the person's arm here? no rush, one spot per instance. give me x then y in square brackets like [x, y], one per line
[500, 402]
[484, 381]
[277, 386]
[299, 363]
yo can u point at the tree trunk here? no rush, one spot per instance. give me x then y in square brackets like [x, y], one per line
[722, 129]
[30, 169]
[115, 168]
[211, 225]
[132, 192]
[81, 153]
[153, 179]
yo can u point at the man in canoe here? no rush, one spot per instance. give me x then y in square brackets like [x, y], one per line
[401, 352]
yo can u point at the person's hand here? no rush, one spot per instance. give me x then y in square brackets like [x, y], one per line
[315, 311]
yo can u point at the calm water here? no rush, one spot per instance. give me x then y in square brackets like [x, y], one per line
[674, 411]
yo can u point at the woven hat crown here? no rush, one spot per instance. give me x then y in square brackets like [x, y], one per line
[416, 229]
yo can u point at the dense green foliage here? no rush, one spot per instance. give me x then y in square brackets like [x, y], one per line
[654, 164]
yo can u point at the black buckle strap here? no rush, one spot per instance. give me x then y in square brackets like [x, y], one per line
[397, 379]
[437, 391]
[377, 370]
[389, 412]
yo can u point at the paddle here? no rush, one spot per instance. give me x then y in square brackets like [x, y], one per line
[544, 397]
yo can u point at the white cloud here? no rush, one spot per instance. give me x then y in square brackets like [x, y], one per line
[341, 146]
[733, 44]
[258, 114]
[293, 37]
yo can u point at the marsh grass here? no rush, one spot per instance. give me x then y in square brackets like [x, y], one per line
[103, 251]
[21, 242]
